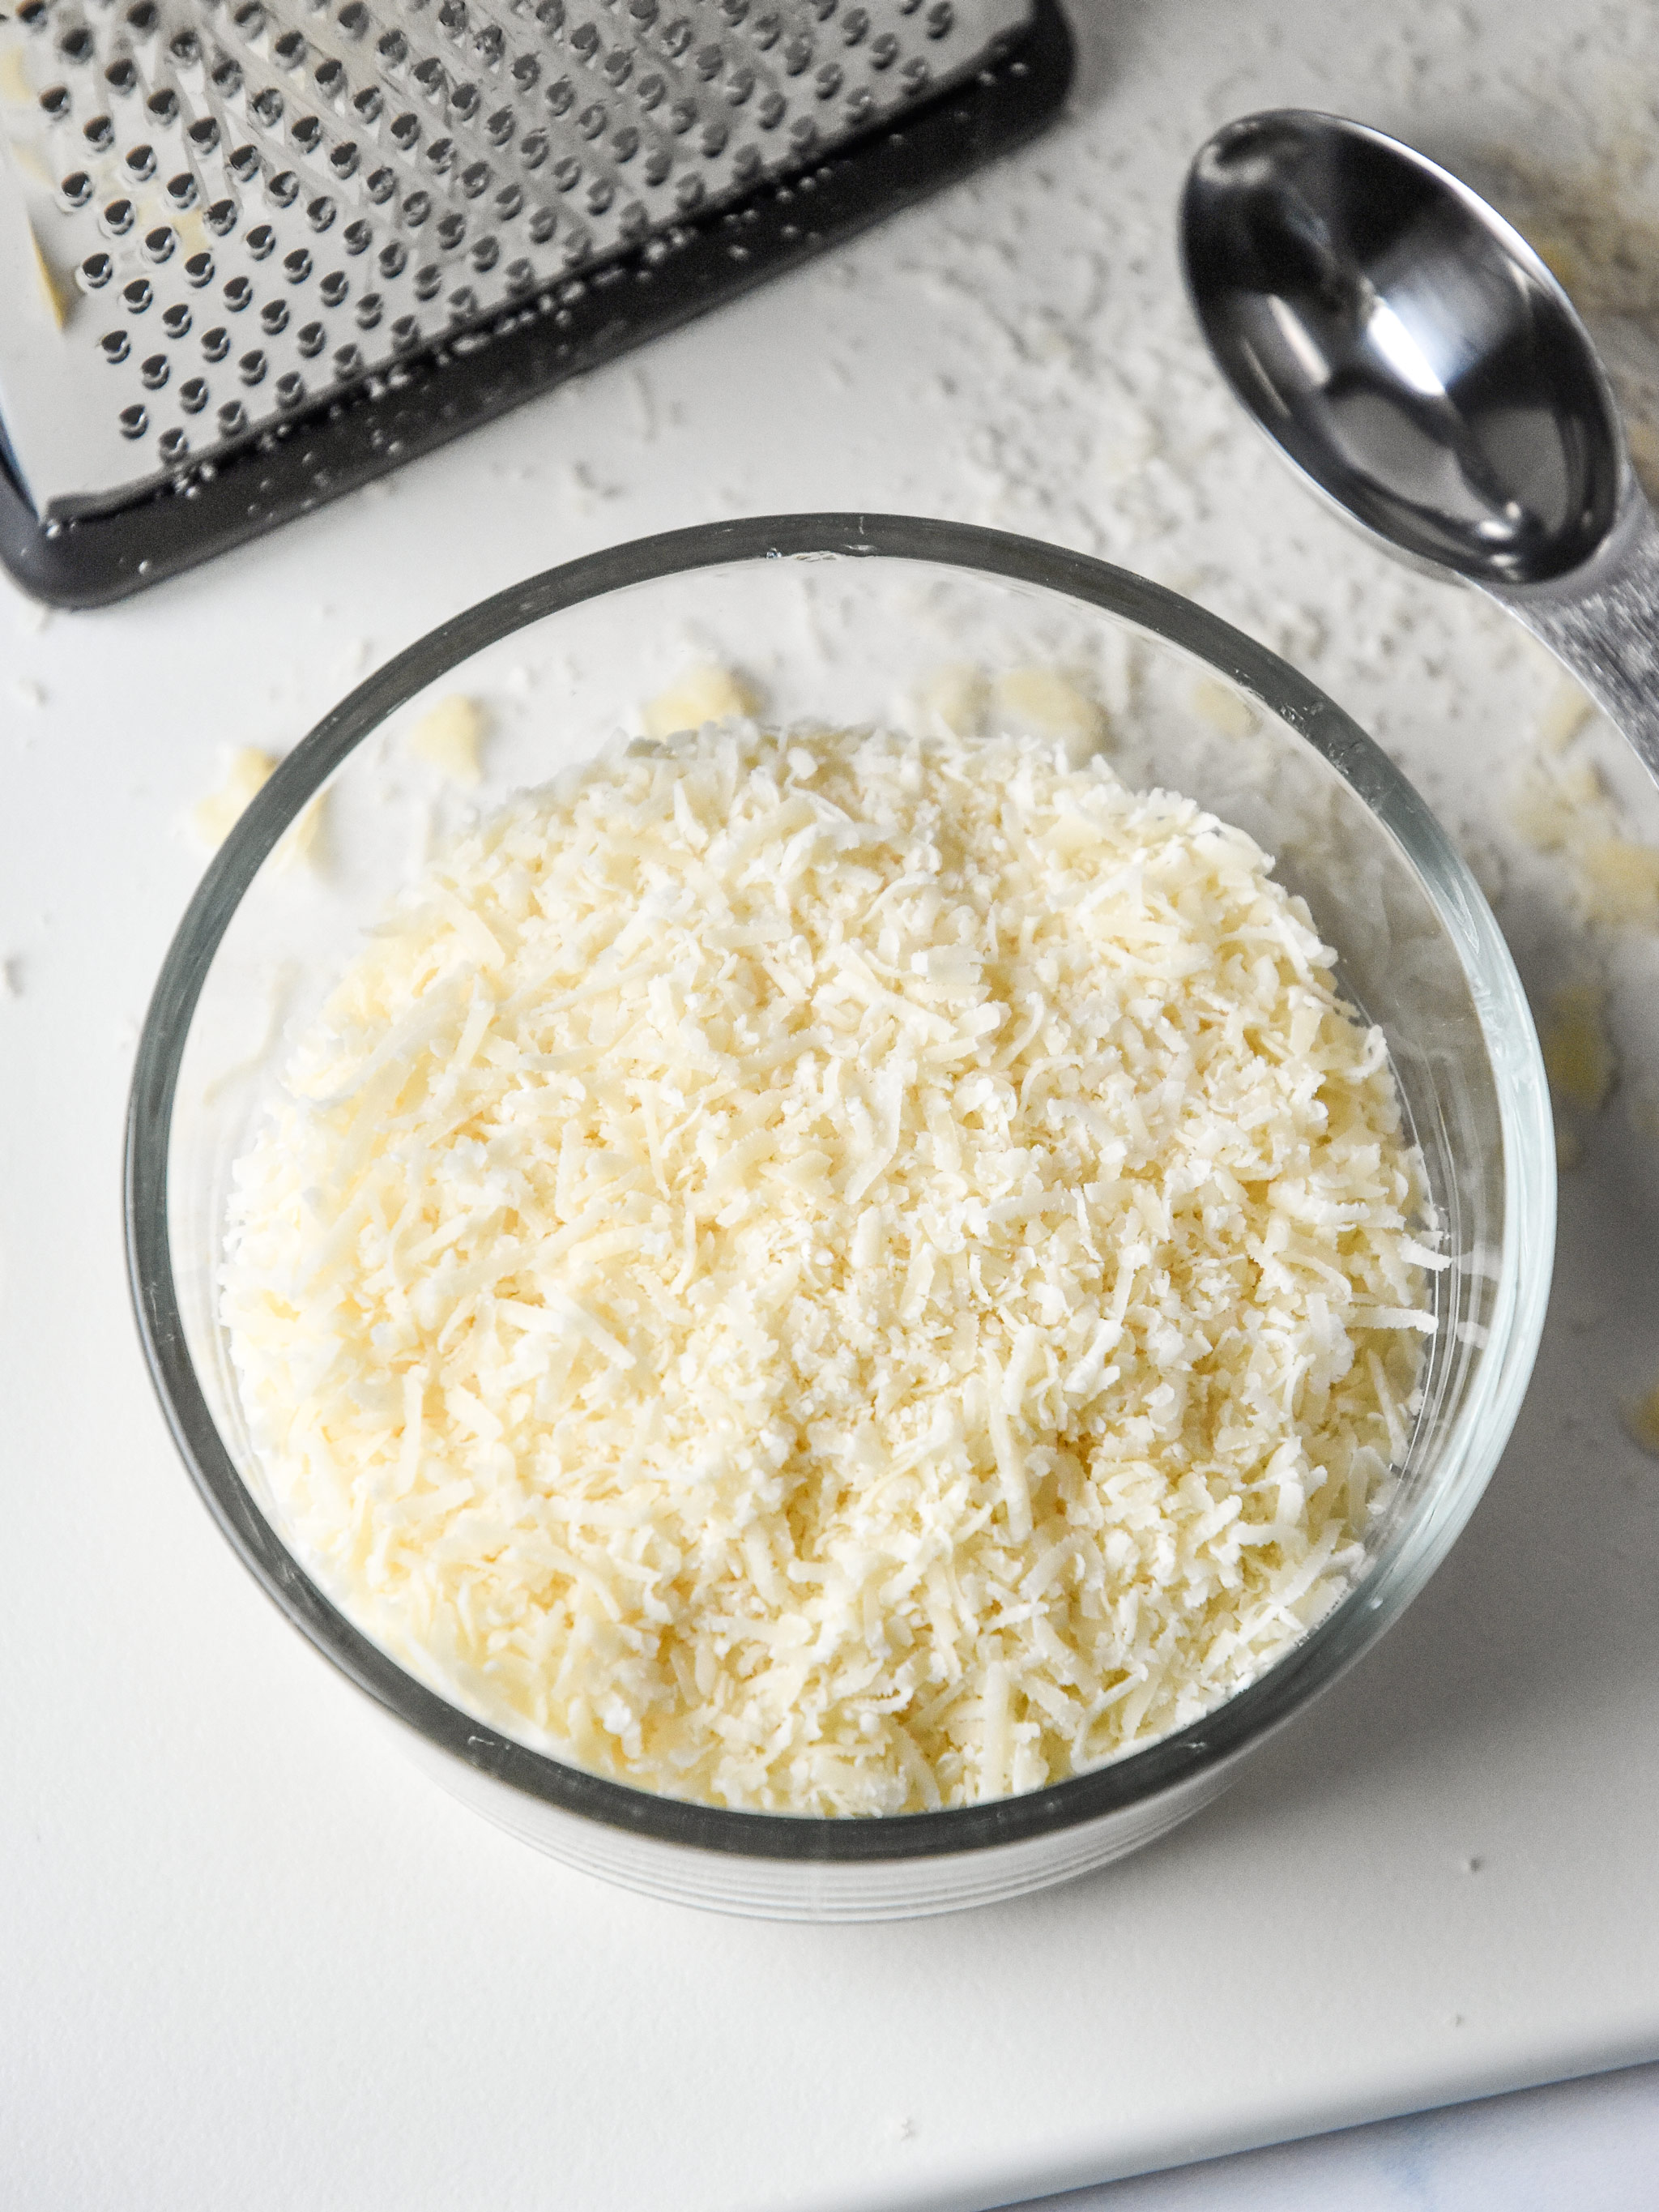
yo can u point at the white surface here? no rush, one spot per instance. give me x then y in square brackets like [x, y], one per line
[251, 1956]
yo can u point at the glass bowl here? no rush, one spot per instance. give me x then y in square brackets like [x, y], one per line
[842, 618]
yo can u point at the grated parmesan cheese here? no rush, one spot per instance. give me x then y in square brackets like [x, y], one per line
[449, 735]
[835, 1274]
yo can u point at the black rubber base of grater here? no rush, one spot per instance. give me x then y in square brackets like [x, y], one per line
[96, 559]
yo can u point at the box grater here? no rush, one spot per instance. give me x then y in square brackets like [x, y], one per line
[254, 251]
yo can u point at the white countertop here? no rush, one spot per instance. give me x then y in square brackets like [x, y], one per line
[252, 1957]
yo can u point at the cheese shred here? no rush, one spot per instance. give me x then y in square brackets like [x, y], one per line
[837, 1274]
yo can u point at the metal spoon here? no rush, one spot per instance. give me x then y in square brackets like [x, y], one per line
[1408, 352]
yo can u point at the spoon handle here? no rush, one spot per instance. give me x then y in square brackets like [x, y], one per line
[1603, 623]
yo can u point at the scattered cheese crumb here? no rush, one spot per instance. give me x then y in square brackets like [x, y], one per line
[1549, 806]
[1564, 806]
[838, 1276]
[956, 693]
[28, 692]
[1642, 1421]
[1565, 714]
[248, 771]
[1223, 708]
[703, 694]
[1040, 703]
[449, 736]
[1618, 879]
[1578, 1054]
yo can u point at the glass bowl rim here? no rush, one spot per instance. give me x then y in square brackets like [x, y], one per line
[1133, 1778]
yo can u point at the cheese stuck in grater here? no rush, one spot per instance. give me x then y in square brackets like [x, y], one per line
[218, 213]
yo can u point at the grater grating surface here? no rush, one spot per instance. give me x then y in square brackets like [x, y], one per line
[221, 217]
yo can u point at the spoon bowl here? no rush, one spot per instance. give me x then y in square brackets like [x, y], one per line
[1410, 354]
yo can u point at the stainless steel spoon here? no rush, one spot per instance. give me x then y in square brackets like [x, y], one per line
[1408, 352]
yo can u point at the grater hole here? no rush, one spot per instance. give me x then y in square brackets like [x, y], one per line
[117, 218]
[273, 318]
[320, 214]
[121, 77]
[688, 194]
[417, 206]
[185, 49]
[441, 154]
[585, 41]
[855, 26]
[333, 289]
[633, 223]
[290, 388]
[681, 116]
[644, 12]
[221, 217]
[356, 237]
[677, 37]
[307, 134]
[233, 418]
[76, 46]
[343, 160]
[739, 85]
[173, 445]
[238, 294]
[243, 164]
[153, 373]
[429, 75]
[766, 30]
[134, 420]
[549, 13]
[803, 134]
[176, 321]
[509, 202]
[463, 302]
[771, 111]
[393, 260]
[475, 179]
[824, 9]
[578, 244]
[137, 295]
[55, 102]
[284, 188]
[452, 229]
[203, 136]
[261, 241]
[100, 133]
[884, 51]
[915, 74]
[290, 49]
[828, 80]
[658, 163]
[427, 281]
[381, 185]
[713, 141]
[193, 396]
[490, 45]
[32, 15]
[560, 95]
[405, 333]
[500, 127]
[163, 106]
[141, 162]
[76, 190]
[591, 122]
[746, 164]
[227, 77]
[566, 173]
[330, 79]
[198, 270]
[393, 49]
[797, 53]
[215, 343]
[354, 19]
[296, 267]
[532, 148]
[310, 339]
[181, 189]
[464, 102]
[734, 11]
[485, 254]
[452, 16]
[115, 346]
[347, 361]
[526, 71]
[709, 63]
[518, 276]
[861, 107]
[160, 242]
[406, 133]
[542, 225]
[368, 103]
[251, 367]
[941, 20]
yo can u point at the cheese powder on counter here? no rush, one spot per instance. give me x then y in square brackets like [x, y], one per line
[839, 1275]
